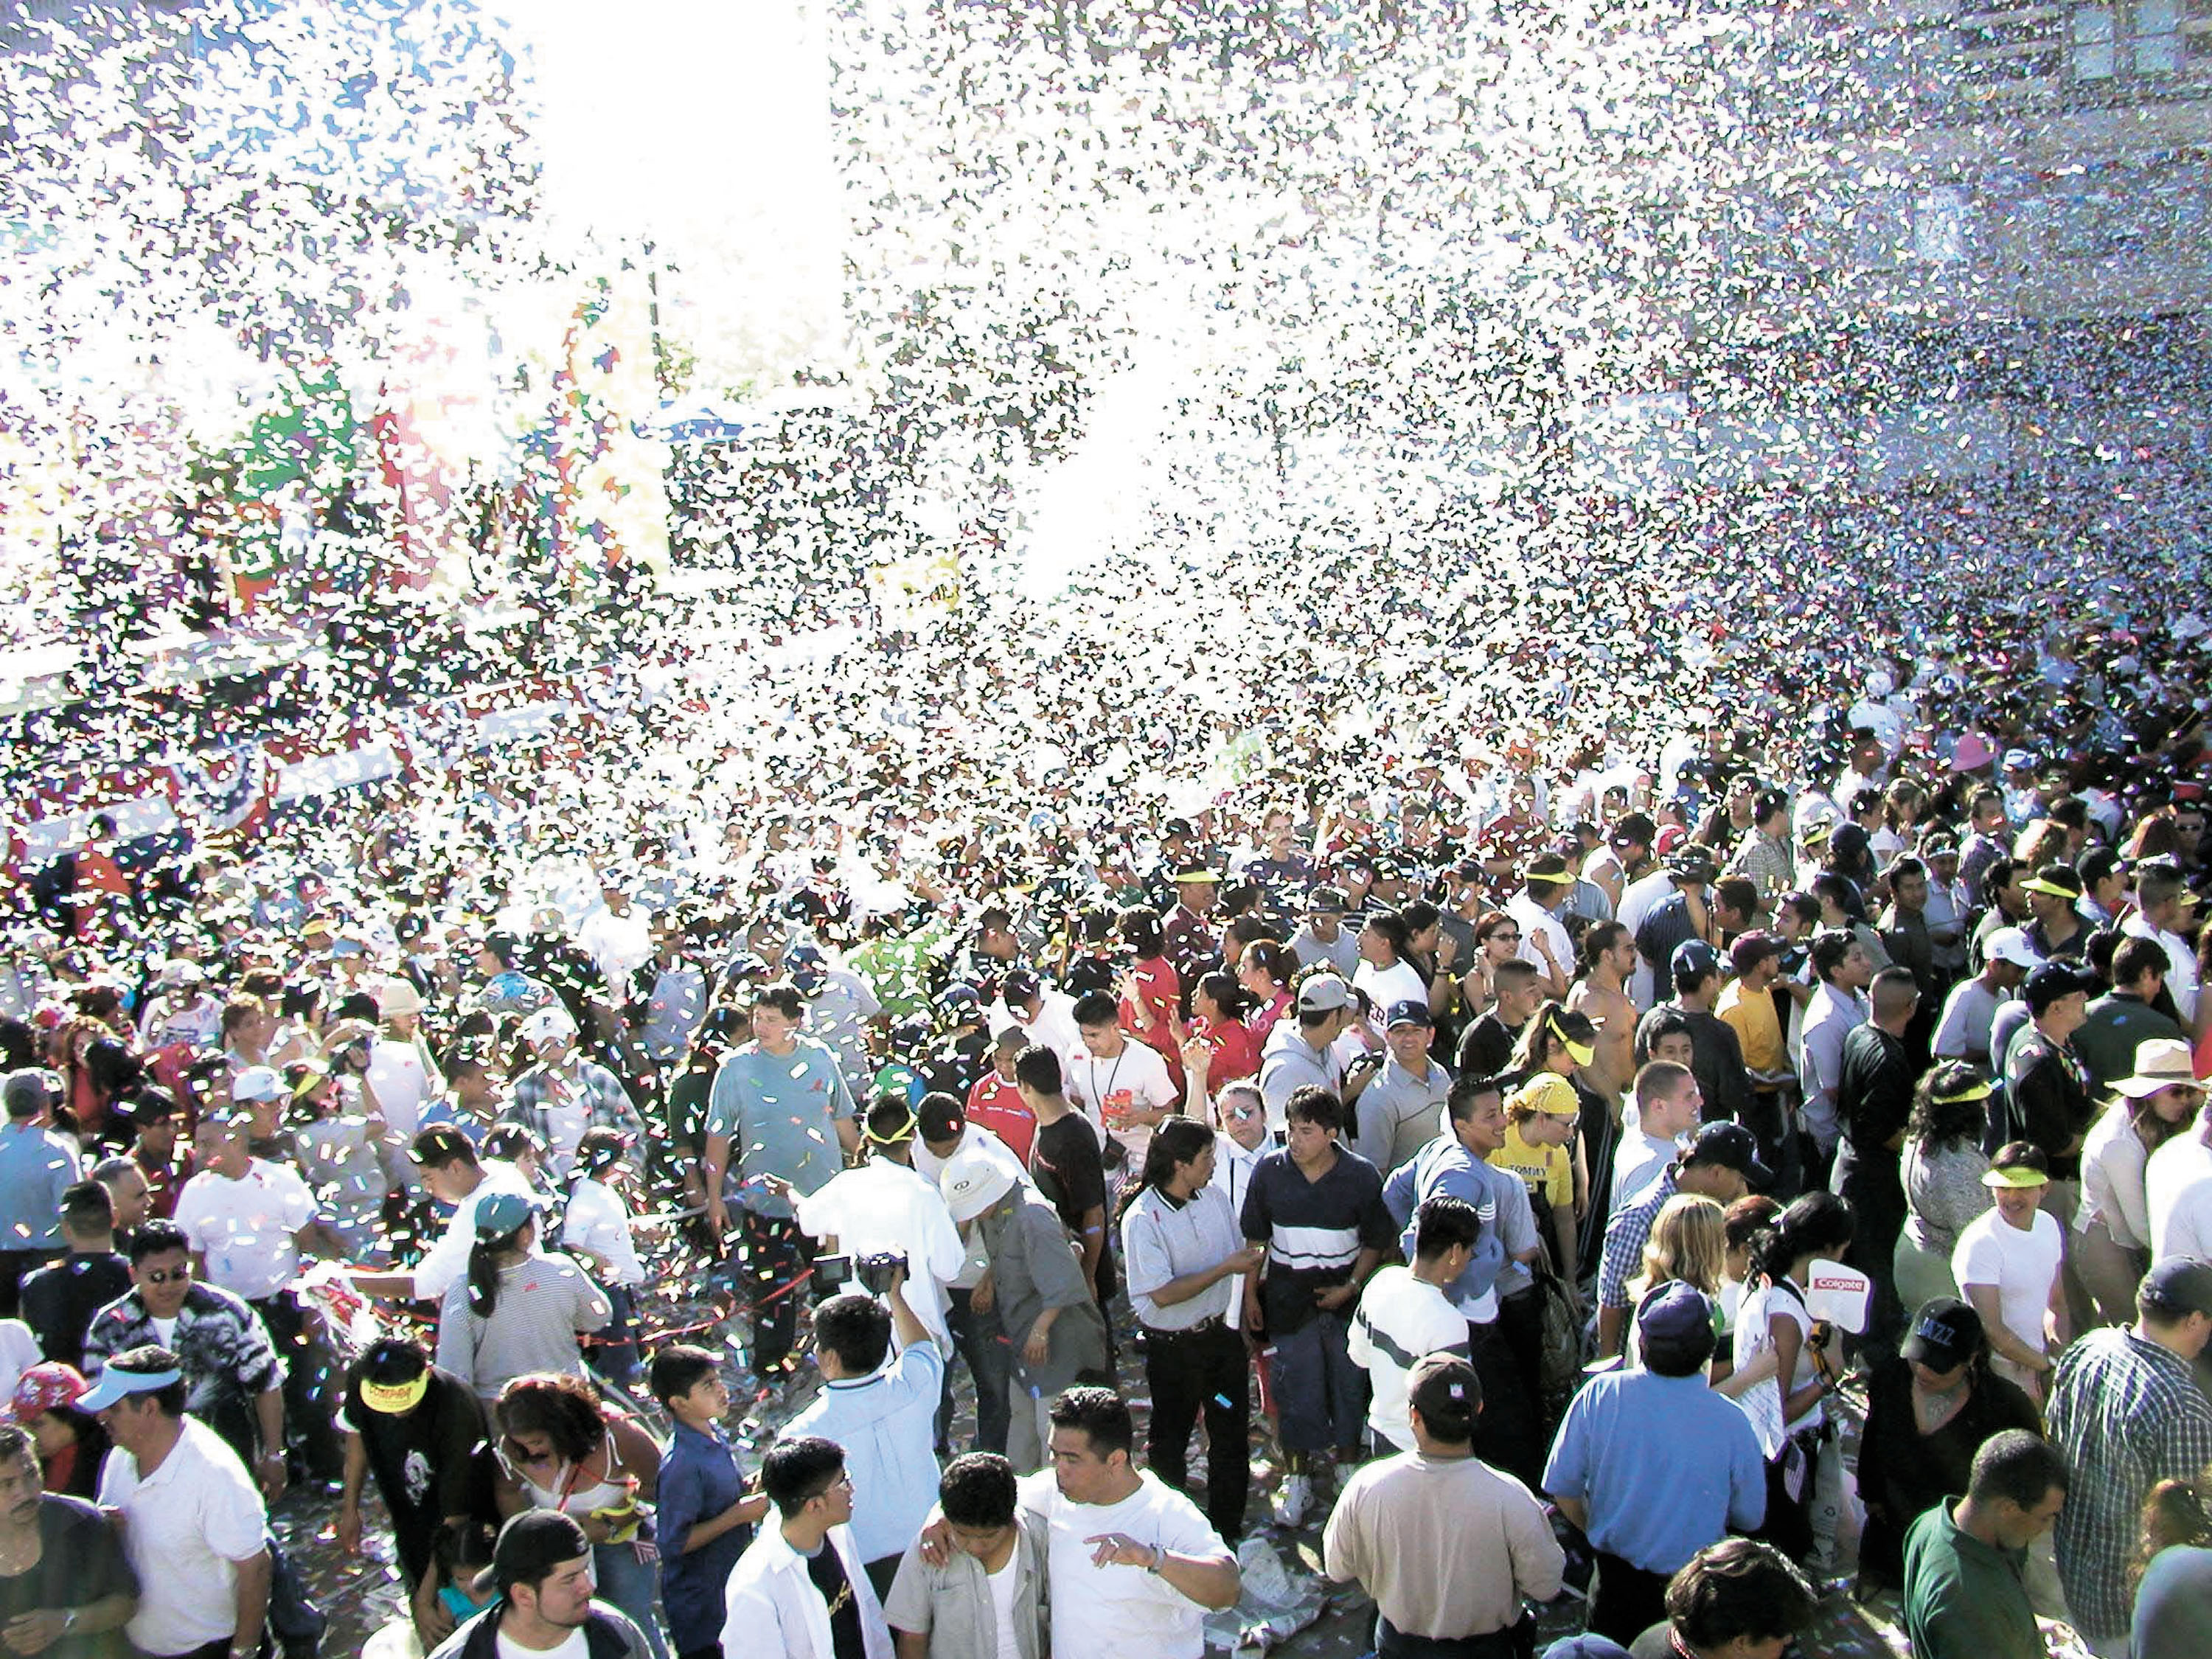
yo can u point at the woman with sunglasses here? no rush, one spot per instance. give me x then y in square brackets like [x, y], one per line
[559, 1446]
[1497, 939]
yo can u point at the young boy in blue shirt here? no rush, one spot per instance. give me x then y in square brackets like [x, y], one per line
[704, 1517]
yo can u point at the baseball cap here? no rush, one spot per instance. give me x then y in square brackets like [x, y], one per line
[1326, 901]
[2019, 760]
[1410, 1011]
[501, 1214]
[1693, 865]
[1730, 1145]
[48, 1386]
[2180, 1285]
[1694, 958]
[1548, 868]
[1324, 994]
[256, 1083]
[1195, 872]
[403, 1393]
[1444, 1389]
[1549, 1092]
[2011, 945]
[1588, 1645]
[1747, 951]
[548, 1023]
[1972, 753]
[2053, 980]
[534, 1542]
[119, 1381]
[972, 1180]
[1946, 1333]
[1674, 1328]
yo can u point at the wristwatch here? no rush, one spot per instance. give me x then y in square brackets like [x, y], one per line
[68, 1619]
[1159, 1559]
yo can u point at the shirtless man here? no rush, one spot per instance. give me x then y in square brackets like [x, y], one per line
[1609, 958]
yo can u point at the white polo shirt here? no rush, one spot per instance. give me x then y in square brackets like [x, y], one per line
[185, 1527]
[246, 1227]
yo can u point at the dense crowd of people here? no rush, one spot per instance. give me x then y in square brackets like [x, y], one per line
[614, 1173]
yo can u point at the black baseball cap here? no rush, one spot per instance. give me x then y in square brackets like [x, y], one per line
[533, 1543]
[1410, 1011]
[1732, 1147]
[1946, 1333]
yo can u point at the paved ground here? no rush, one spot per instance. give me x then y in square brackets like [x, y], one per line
[363, 1595]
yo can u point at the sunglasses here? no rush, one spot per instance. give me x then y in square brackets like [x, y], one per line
[169, 1275]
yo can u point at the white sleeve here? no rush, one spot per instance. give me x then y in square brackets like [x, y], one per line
[234, 1522]
[187, 1215]
[1978, 1260]
[443, 1264]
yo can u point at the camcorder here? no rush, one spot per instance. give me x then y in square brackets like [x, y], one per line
[834, 1274]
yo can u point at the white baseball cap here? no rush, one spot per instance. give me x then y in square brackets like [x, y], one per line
[973, 1180]
[2010, 945]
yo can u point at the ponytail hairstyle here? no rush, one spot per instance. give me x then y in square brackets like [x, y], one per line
[2173, 1512]
[1818, 1224]
[1178, 1141]
[483, 1266]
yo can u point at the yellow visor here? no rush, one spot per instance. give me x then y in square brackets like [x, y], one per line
[393, 1398]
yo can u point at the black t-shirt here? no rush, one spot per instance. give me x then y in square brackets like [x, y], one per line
[428, 1464]
[1486, 1048]
[827, 1569]
[59, 1300]
[80, 1562]
[1072, 1175]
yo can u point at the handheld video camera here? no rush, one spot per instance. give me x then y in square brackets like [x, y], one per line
[874, 1273]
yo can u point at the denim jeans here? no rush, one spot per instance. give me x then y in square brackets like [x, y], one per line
[632, 1587]
[983, 1344]
[1321, 1396]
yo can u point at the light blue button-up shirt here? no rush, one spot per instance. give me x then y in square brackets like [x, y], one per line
[37, 1166]
[887, 1424]
[1665, 1465]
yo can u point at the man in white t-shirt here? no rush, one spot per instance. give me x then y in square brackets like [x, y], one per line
[249, 1220]
[618, 935]
[399, 1069]
[1121, 1083]
[1133, 1566]
[1404, 1314]
[2163, 902]
[1668, 1107]
[193, 1526]
[2007, 1262]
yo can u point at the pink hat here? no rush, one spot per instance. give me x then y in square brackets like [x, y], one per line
[46, 1387]
[1972, 753]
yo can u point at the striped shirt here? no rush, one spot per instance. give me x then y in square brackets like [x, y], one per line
[2128, 1414]
[1314, 1229]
